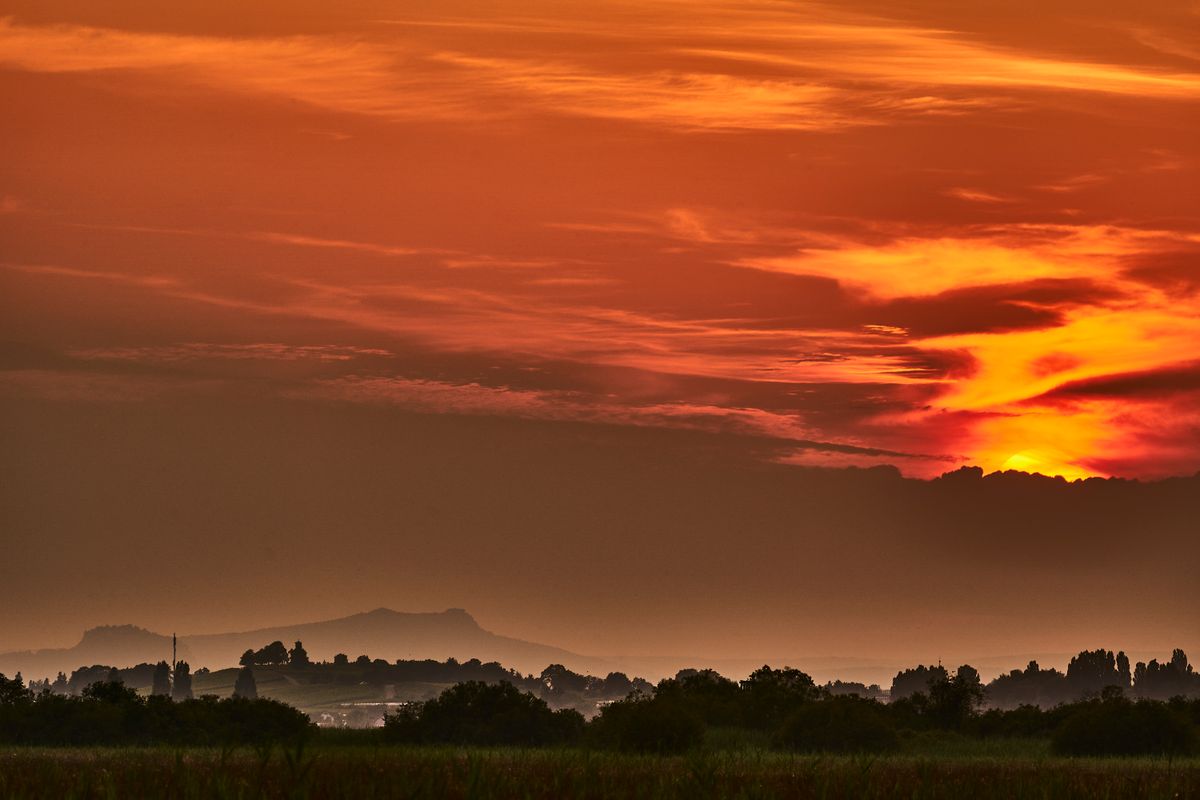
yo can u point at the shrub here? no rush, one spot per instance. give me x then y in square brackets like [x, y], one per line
[476, 713]
[1021, 722]
[111, 713]
[647, 724]
[716, 700]
[1117, 726]
[770, 696]
[843, 724]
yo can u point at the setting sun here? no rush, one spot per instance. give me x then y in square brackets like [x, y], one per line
[1038, 462]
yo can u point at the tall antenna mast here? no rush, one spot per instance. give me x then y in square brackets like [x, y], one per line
[174, 660]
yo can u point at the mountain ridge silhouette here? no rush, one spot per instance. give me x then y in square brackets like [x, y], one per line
[379, 633]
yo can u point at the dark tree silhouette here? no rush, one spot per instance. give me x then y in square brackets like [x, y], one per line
[558, 679]
[161, 686]
[112, 713]
[113, 692]
[245, 686]
[840, 724]
[13, 691]
[1032, 686]
[617, 683]
[844, 688]
[341, 660]
[298, 657]
[274, 653]
[917, 680]
[772, 695]
[953, 701]
[1090, 672]
[647, 724]
[711, 697]
[1176, 678]
[182, 688]
[1114, 725]
[478, 713]
[1123, 673]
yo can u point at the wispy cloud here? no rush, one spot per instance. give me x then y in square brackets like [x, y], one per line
[193, 351]
[441, 397]
[762, 69]
[976, 195]
[337, 244]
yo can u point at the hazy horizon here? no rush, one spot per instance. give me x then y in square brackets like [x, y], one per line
[527, 524]
[118, 651]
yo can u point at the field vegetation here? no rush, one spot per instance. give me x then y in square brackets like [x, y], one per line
[359, 770]
[699, 734]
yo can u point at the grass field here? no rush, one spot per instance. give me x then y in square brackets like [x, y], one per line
[331, 770]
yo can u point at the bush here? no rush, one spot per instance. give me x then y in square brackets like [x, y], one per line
[645, 724]
[770, 696]
[1022, 722]
[1116, 726]
[716, 700]
[842, 724]
[476, 713]
[111, 713]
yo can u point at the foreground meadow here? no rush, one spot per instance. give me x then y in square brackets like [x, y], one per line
[329, 771]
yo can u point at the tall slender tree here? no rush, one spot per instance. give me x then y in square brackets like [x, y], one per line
[162, 680]
[245, 686]
[182, 690]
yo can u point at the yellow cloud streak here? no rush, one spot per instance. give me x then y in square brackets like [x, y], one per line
[1096, 342]
[917, 266]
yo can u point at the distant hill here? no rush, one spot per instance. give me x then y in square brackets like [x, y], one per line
[393, 635]
[110, 645]
[381, 633]
[390, 635]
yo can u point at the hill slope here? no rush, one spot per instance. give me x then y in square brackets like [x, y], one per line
[381, 633]
[110, 645]
[390, 635]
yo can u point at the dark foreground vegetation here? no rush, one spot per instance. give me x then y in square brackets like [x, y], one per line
[779, 709]
[783, 710]
[699, 734]
[421, 773]
[110, 713]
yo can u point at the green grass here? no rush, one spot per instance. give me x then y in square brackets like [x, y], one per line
[947, 744]
[357, 769]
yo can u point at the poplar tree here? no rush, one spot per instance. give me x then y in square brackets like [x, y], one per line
[245, 685]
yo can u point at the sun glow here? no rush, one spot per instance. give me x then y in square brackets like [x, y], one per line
[809, 220]
[1040, 461]
[1048, 440]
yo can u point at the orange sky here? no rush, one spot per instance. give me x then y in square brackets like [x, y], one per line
[926, 233]
[540, 309]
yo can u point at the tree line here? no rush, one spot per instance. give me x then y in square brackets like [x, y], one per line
[109, 712]
[786, 709]
[782, 706]
[1087, 675]
[1101, 704]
